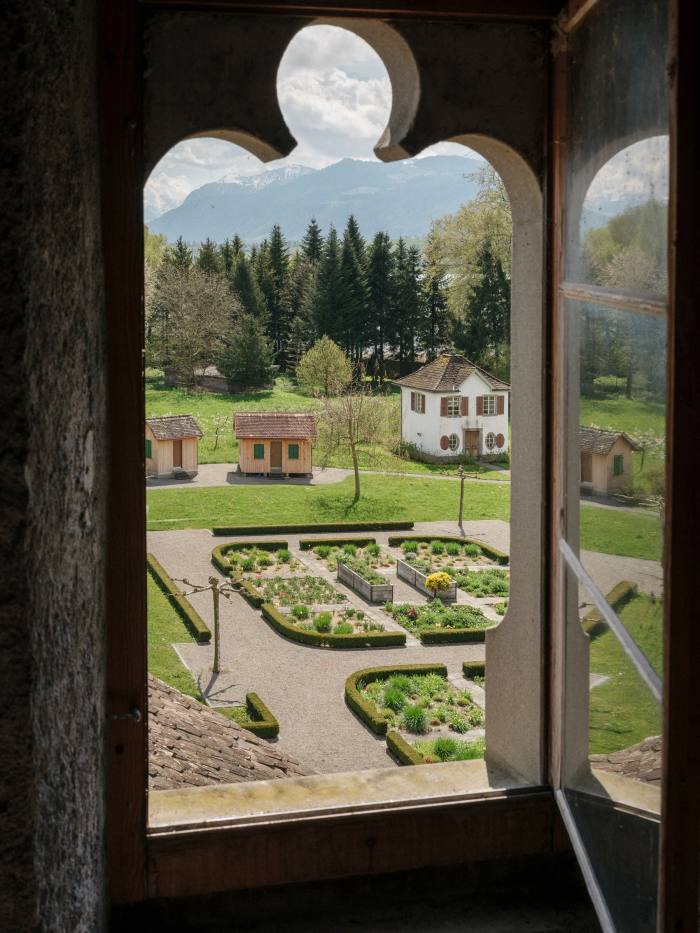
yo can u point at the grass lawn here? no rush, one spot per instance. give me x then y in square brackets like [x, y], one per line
[622, 711]
[384, 498]
[208, 408]
[165, 628]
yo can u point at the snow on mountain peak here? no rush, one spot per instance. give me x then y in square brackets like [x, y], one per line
[266, 177]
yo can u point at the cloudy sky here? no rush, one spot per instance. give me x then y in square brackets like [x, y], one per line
[335, 95]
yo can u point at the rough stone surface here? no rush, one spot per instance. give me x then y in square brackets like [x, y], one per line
[642, 761]
[51, 646]
[190, 745]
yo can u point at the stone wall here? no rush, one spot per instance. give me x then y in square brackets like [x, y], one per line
[52, 869]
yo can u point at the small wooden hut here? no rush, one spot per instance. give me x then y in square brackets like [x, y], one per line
[606, 459]
[172, 446]
[275, 443]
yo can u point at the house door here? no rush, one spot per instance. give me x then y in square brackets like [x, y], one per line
[276, 457]
[472, 444]
[177, 454]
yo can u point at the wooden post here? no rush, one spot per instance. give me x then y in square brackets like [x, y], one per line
[216, 668]
[461, 498]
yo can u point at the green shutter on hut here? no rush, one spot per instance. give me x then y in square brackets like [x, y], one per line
[258, 451]
[618, 465]
[149, 449]
[293, 452]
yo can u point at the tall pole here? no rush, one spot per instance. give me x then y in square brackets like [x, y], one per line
[461, 497]
[215, 594]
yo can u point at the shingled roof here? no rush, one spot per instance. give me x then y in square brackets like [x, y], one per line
[192, 745]
[275, 424]
[598, 441]
[174, 427]
[642, 761]
[446, 374]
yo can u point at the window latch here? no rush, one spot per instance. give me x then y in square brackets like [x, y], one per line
[134, 713]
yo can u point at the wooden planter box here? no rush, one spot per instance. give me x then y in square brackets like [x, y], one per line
[372, 592]
[408, 573]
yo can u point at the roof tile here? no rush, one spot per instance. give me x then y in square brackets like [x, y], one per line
[174, 427]
[275, 424]
[446, 374]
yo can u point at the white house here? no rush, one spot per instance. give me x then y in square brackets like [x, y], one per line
[451, 408]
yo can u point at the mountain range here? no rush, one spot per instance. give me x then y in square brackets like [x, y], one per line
[401, 198]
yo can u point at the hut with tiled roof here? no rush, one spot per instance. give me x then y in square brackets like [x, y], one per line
[275, 443]
[452, 409]
[172, 446]
[606, 459]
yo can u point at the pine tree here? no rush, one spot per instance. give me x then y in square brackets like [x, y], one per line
[246, 360]
[329, 288]
[208, 260]
[380, 276]
[236, 245]
[408, 303]
[484, 334]
[226, 258]
[245, 286]
[352, 310]
[179, 255]
[436, 331]
[312, 242]
[278, 304]
[302, 330]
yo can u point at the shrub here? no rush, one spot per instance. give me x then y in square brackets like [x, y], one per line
[437, 547]
[438, 582]
[264, 561]
[300, 612]
[323, 622]
[322, 551]
[349, 613]
[343, 628]
[373, 550]
[415, 719]
[248, 564]
[500, 608]
[469, 751]
[350, 549]
[410, 547]
[400, 682]
[360, 613]
[452, 548]
[458, 723]
[284, 555]
[472, 550]
[394, 699]
[444, 748]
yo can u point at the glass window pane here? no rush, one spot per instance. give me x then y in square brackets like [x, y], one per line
[617, 186]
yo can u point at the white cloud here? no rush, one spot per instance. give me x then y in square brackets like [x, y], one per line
[640, 170]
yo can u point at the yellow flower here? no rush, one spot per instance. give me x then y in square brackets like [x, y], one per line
[438, 582]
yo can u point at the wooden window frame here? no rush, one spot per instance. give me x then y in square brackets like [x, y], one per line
[412, 831]
[420, 403]
[489, 401]
[454, 402]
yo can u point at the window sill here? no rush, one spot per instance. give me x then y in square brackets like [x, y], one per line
[200, 808]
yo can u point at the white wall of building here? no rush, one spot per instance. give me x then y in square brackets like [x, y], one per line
[425, 430]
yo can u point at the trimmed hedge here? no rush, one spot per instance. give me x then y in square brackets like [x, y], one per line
[189, 615]
[249, 592]
[260, 720]
[366, 710]
[453, 636]
[282, 625]
[218, 555]
[500, 557]
[402, 750]
[311, 528]
[593, 622]
[472, 669]
[307, 544]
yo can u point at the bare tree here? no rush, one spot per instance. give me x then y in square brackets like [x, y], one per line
[345, 422]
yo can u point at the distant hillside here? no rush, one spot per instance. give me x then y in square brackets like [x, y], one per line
[401, 198]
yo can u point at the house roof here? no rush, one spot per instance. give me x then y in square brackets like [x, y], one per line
[275, 424]
[598, 441]
[642, 761]
[173, 427]
[446, 374]
[190, 744]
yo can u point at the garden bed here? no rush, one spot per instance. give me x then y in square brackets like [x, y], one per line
[448, 551]
[436, 623]
[254, 716]
[307, 634]
[410, 702]
[184, 608]
[268, 558]
[364, 551]
[357, 573]
[285, 592]
[482, 583]
[417, 578]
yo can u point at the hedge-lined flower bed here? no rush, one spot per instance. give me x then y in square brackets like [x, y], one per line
[475, 671]
[480, 583]
[456, 548]
[436, 623]
[292, 591]
[254, 559]
[286, 626]
[368, 556]
[365, 708]
[432, 751]
[336, 622]
[189, 615]
[254, 716]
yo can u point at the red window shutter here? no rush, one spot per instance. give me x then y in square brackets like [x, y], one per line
[444, 440]
[413, 401]
[443, 407]
[500, 440]
[465, 405]
[500, 406]
[480, 404]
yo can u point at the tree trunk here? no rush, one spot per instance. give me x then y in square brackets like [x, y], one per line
[356, 468]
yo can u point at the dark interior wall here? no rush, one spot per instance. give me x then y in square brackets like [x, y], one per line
[52, 459]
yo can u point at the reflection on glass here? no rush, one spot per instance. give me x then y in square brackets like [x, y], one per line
[623, 225]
